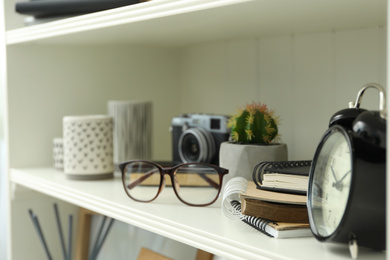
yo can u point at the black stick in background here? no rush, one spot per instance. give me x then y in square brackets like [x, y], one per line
[92, 256]
[70, 234]
[99, 246]
[35, 221]
[57, 215]
[100, 239]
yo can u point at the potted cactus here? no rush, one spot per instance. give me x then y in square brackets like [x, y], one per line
[254, 124]
[254, 138]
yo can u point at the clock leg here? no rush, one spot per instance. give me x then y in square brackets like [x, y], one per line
[353, 246]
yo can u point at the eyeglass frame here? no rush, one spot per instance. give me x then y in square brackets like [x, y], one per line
[171, 171]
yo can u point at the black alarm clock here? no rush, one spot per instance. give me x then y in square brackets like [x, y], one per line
[347, 184]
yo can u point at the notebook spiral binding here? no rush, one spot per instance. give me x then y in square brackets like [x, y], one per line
[256, 222]
[231, 206]
[259, 169]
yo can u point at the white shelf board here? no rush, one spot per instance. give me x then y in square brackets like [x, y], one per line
[181, 23]
[206, 227]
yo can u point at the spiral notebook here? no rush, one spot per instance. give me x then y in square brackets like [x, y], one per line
[272, 228]
[283, 176]
[231, 207]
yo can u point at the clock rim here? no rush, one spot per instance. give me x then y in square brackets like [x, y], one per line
[331, 130]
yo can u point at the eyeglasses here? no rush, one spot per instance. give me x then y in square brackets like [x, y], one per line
[195, 184]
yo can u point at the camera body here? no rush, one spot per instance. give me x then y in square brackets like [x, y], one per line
[198, 137]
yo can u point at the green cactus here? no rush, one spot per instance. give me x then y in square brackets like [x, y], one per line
[255, 124]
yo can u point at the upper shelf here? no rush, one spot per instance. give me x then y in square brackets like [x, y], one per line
[181, 23]
[202, 227]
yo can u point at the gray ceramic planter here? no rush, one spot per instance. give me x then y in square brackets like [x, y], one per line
[240, 159]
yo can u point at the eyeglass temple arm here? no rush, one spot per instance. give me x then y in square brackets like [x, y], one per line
[140, 179]
[210, 181]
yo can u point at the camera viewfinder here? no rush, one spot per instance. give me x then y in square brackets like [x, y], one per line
[215, 123]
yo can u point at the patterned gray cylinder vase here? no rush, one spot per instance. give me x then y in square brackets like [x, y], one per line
[132, 130]
[88, 147]
[58, 153]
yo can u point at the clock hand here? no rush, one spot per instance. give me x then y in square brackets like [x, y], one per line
[345, 175]
[334, 175]
[337, 183]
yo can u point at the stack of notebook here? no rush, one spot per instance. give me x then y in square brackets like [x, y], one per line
[276, 212]
[39, 11]
[282, 176]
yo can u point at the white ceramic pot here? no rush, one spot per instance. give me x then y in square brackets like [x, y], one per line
[88, 147]
[240, 159]
[132, 130]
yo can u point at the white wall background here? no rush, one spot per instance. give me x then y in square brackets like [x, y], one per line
[305, 78]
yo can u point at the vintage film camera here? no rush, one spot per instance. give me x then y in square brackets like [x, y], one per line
[197, 137]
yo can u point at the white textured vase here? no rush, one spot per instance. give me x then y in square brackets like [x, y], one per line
[132, 130]
[88, 147]
[240, 159]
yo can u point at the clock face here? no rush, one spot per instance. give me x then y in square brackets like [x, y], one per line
[330, 182]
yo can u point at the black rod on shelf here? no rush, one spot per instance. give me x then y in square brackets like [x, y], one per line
[100, 238]
[35, 221]
[60, 233]
[104, 237]
[70, 235]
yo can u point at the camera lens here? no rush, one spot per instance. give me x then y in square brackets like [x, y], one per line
[196, 145]
[190, 146]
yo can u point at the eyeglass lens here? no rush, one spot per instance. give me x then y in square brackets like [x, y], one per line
[196, 184]
[142, 181]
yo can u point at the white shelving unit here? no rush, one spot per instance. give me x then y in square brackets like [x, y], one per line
[205, 228]
[182, 55]
[156, 22]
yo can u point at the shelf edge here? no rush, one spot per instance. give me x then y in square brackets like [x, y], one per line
[209, 242]
[111, 18]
